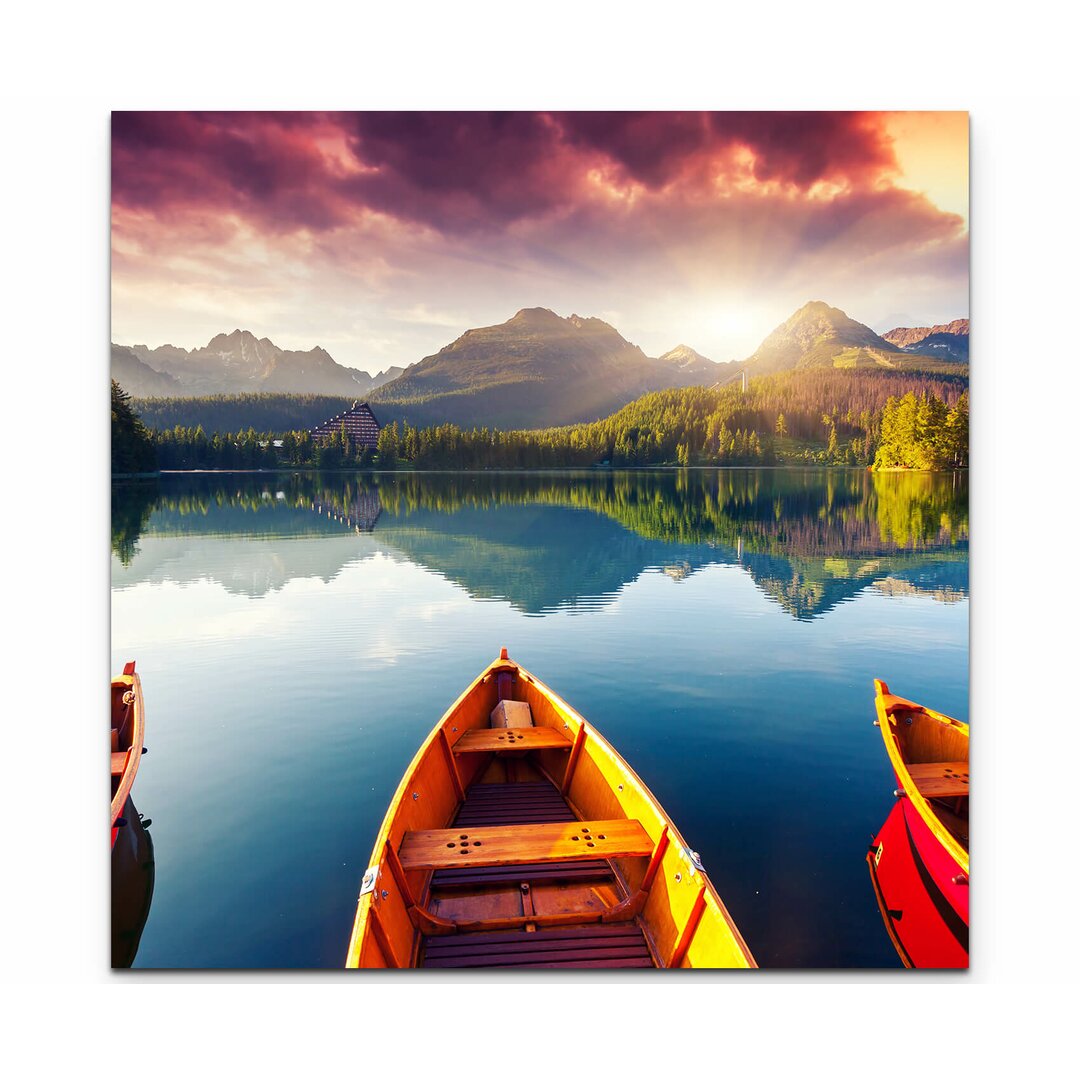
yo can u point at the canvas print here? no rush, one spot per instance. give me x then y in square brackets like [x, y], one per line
[539, 540]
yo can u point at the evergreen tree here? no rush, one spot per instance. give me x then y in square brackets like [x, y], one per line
[132, 445]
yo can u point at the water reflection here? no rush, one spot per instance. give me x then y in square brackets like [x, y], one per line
[132, 873]
[809, 539]
[721, 628]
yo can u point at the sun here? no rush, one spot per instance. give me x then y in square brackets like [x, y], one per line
[732, 322]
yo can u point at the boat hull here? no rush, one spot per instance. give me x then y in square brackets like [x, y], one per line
[653, 881]
[925, 922]
[919, 862]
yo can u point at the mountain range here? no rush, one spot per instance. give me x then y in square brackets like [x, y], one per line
[946, 340]
[538, 369]
[535, 370]
[238, 363]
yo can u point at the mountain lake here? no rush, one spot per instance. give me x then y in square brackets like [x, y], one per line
[298, 635]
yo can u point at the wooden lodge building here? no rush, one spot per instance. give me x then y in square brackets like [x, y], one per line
[360, 426]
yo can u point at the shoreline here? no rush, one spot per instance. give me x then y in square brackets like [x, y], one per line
[588, 470]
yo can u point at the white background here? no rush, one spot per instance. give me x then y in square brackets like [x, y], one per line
[66, 68]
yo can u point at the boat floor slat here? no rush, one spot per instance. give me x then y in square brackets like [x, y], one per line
[644, 962]
[510, 818]
[509, 797]
[594, 931]
[550, 796]
[485, 791]
[607, 946]
[531, 872]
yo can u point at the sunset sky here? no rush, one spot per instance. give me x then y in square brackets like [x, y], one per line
[383, 236]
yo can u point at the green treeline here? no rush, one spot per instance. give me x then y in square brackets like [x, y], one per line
[132, 445]
[841, 418]
[238, 412]
[922, 432]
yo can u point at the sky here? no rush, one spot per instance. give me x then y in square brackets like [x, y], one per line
[384, 236]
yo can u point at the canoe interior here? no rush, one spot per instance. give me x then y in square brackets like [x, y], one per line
[534, 892]
[929, 754]
[514, 890]
[126, 732]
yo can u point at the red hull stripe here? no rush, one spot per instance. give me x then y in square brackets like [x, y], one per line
[949, 915]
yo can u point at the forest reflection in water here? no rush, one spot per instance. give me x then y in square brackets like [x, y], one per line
[808, 538]
[299, 633]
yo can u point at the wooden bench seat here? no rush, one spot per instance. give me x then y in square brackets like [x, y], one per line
[485, 740]
[515, 804]
[509, 845]
[941, 779]
[118, 762]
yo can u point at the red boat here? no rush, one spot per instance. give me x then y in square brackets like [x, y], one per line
[919, 859]
[925, 929]
[126, 737]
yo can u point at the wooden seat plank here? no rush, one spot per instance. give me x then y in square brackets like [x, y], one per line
[508, 845]
[486, 740]
[941, 779]
[118, 762]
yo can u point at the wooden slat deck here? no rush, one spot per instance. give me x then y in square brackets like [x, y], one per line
[486, 740]
[508, 845]
[941, 779]
[513, 804]
[617, 945]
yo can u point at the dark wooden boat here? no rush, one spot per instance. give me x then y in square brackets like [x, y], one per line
[920, 856]
[126, 737]
[534, 845]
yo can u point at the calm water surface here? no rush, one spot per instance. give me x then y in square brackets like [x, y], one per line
[299, 634]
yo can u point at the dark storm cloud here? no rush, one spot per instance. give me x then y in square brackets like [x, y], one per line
[464, 172]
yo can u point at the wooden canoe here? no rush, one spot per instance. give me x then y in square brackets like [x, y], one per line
[928, 752]
[534, 846]
[126, 738]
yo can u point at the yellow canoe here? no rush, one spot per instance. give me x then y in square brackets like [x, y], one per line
[532, 845]
[928, 752]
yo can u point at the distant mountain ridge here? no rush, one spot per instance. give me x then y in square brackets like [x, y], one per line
[902, 336]
[138, 378]
[690, 361]
[539, 369]
[237, 363]
[947, 340]
[821, 336]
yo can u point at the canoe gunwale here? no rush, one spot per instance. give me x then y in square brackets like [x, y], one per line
[134, 753]
[923, 807]
[378, 852]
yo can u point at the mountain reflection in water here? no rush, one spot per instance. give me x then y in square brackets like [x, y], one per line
[299, 634]
[809, 539]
